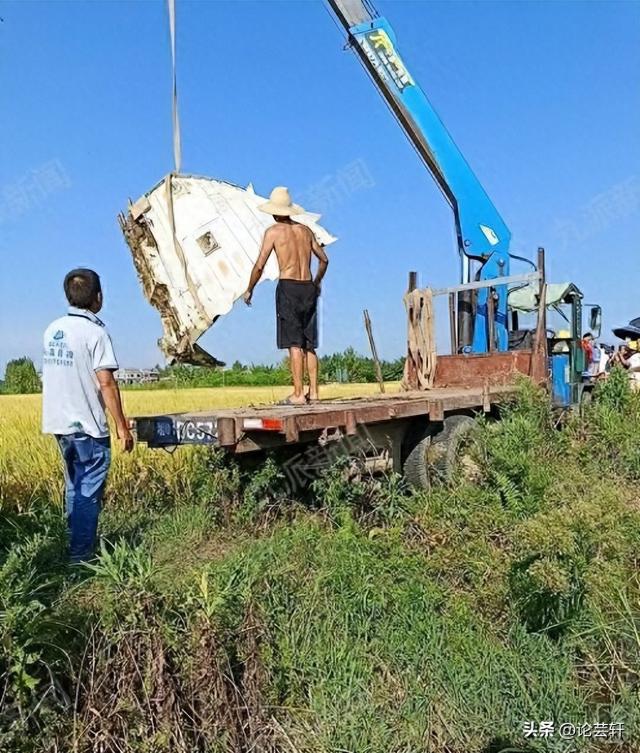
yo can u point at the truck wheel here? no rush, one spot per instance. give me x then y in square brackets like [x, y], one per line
[439, 455]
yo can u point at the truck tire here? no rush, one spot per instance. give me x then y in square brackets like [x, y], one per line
[437, 455]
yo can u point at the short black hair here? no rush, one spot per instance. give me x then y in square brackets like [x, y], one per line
[82, 287]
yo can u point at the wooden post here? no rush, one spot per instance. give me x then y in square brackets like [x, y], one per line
[410, 379]
[374, 350]
[541, 329]
[543, 287]
[453, 324]
[540, 340]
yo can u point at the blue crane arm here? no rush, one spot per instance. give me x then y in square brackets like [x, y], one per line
[481, 232]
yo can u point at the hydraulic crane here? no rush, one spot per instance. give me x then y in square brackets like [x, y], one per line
[482, 235]
[186, 274]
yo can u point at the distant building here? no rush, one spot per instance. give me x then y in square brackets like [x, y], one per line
[137, 376]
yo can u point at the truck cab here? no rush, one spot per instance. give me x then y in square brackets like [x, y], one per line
[569, 378]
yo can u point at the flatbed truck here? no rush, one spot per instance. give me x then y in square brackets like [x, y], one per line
[415, 432]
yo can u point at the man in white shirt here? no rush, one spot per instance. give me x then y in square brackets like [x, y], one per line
[77, 384]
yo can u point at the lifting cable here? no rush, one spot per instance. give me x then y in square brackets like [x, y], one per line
[177, 149]
[177, 160]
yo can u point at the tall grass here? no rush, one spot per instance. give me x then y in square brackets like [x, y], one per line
[223, 615]
[29, 462]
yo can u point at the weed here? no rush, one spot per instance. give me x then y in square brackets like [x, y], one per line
[226, 616]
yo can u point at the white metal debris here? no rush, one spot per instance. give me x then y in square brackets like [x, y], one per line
[193, 275]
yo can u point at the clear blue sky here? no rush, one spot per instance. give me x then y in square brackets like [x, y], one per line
[542, 97]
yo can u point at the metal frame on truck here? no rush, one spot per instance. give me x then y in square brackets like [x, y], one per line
[419, 429]
[394, 431]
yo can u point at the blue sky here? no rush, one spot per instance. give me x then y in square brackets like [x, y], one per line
[542, 98]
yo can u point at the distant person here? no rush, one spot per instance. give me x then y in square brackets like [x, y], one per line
[297, 292]
[606, 351]
[628, 356]
[77, 383]
[592, 356]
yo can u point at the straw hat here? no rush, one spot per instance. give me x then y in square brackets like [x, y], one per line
[280, 204]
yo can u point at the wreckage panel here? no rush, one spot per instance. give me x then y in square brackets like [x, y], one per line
[218, 230]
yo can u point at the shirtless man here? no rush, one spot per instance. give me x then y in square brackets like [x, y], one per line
[297, 292]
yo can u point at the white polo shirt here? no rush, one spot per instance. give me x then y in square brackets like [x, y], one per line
[75, 347]
[634, 367]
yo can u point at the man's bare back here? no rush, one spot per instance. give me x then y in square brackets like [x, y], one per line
[292, 243]
[296, 297]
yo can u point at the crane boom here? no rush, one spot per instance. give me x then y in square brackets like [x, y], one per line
[481, 232]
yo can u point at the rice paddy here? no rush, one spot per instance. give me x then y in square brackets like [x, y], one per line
[29, 462]
[225, 614]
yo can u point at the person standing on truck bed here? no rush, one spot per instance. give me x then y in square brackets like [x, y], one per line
[297, 292]
[77, 384]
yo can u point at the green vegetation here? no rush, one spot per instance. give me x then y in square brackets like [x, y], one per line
[20, 378]
[347, 366]
[228, 614]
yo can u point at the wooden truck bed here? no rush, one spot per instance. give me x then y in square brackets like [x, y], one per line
[241, 430]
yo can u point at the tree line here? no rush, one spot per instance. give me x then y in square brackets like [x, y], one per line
[346, 366]
[21, 376]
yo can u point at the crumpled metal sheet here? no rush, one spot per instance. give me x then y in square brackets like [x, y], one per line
[195, 275]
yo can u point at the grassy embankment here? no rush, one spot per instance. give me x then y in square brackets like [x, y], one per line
[224, 616]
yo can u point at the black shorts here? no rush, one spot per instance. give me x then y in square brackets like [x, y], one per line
[296, 311]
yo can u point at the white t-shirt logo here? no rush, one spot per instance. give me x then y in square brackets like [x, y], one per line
[75, 347]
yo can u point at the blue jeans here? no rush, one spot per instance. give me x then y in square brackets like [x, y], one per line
[86, 464]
